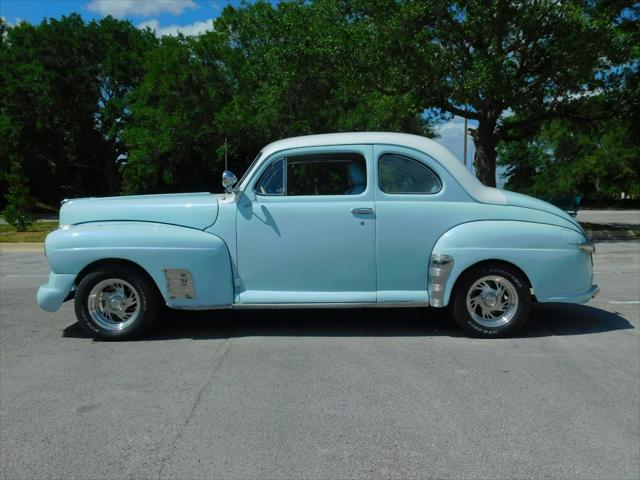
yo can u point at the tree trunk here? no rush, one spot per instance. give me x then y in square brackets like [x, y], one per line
[112, 176]
[484, 158]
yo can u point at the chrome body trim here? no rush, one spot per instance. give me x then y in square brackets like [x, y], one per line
[280, 306]
[588, 247]
[243, 306]
[199, 307]
[439, 271]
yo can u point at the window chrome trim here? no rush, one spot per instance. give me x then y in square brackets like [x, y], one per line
[284, 179]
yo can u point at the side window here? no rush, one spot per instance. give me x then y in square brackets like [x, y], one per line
[400, 174]
[272, 180]
[326, 174]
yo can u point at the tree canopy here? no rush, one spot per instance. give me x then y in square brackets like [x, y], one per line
[509, 65]
[103, 107]
[63, 87]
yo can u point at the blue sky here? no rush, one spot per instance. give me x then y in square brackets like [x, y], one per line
[167, 17]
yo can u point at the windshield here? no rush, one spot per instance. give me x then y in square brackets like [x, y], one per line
[244, 176]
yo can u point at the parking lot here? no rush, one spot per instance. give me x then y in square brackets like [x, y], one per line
[323, 394]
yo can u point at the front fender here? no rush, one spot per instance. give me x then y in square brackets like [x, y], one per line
[154, 247]
[548, 255]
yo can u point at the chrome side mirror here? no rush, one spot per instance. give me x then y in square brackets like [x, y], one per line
[228, 180]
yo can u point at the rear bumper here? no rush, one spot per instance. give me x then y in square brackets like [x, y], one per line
[51, 294]
[580, 297]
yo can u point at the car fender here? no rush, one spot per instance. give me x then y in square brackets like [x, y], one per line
[191, 268]
[549, 256]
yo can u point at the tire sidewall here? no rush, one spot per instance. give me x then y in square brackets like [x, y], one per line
[146, 294]
[464, 318]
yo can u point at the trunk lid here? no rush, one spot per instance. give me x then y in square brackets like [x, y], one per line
[525, 201]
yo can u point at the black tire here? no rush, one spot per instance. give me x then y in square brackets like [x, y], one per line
[463, 315]
[148, 304]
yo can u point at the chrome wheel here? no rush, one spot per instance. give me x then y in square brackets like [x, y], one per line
[113, 304]
[492, 301]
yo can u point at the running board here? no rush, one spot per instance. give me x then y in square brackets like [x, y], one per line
[242, 306]
[279, 306]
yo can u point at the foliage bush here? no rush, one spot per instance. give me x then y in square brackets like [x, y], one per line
[19, 202]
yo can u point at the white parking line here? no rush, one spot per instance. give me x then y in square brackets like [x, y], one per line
[628, 302]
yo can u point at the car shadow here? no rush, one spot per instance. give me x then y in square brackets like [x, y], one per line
[546, 320]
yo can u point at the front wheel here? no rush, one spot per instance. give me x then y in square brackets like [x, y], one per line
[116, 303]
[491, 301]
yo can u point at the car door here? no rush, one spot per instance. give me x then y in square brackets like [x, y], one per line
[306, 228]
[413, 210]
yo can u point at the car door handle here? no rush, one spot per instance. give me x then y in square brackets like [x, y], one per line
[362, 211]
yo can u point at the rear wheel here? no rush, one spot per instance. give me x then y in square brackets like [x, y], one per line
[491, 301]
[116, 303]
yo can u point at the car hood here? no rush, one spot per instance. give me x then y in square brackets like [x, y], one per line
[525, 201]
[193, 210]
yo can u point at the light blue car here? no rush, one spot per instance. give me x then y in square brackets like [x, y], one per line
[337, 220]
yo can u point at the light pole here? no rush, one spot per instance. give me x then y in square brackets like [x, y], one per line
[465, 141]
[226, 162]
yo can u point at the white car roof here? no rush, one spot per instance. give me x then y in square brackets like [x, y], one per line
[468, 181]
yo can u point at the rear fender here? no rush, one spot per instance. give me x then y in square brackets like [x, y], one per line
[548, 255]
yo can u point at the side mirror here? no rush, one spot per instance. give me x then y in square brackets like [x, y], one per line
[228, 180]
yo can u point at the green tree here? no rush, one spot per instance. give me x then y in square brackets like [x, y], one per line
[496, 61]
[171, 134]
[599, 159]
[264, 73]
[293, 71]
[62, 90]
[17, 211]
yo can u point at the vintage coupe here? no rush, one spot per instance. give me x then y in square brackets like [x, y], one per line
[336, 220]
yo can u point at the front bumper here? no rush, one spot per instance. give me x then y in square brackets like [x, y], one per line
[51, 294]
[580, 297]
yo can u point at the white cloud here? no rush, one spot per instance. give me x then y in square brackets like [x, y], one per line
[195, 28]
[146, 8]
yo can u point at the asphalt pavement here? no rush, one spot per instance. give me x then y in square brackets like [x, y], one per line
[397, 393]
